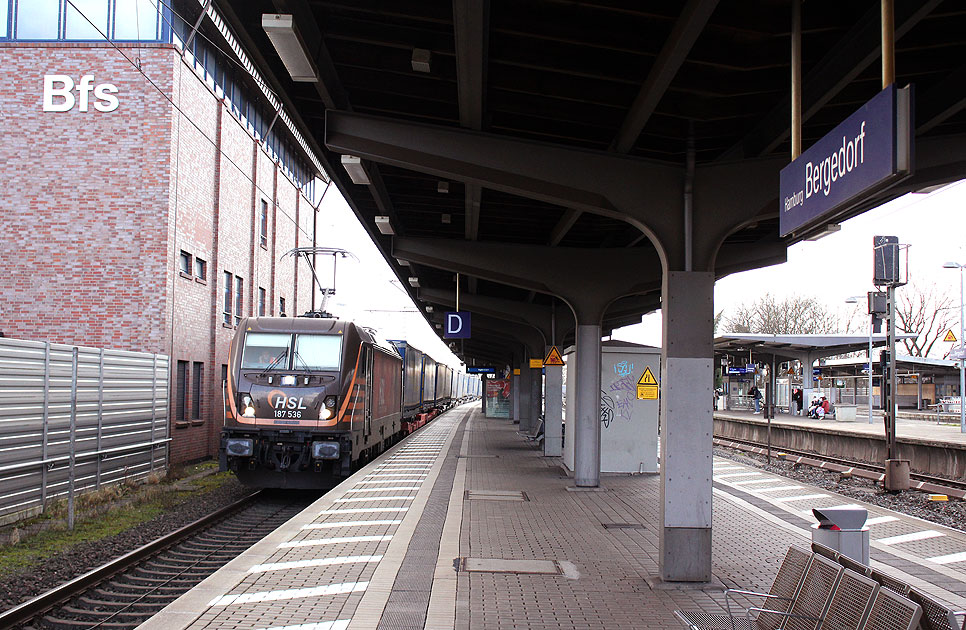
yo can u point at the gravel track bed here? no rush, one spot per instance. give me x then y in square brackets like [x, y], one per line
[950, 513]
[83, 557]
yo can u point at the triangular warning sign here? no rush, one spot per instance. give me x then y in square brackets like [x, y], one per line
[553, 357]
[647, 378]
[950, 336]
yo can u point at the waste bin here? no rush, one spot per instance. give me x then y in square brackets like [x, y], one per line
[844, 530]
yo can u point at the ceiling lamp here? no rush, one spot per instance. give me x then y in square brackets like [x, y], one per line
[413, 281]
[357, 172]
[422, 59]
[290, 47]
[442, 187]
[384, 226]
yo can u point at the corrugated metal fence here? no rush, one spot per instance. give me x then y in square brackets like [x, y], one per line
[75, 418]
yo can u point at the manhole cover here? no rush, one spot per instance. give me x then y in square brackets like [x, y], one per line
[502, 565]
[497, 495]
[623, 526]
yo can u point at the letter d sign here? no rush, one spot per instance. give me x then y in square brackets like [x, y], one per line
[457, 325]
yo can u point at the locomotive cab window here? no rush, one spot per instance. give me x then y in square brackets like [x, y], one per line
[266, 351]
[318, 352]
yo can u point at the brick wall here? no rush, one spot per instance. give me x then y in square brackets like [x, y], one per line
[100, 205]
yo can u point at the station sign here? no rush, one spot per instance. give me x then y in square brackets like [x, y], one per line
[867, 152]
[480, 370]
[456, 325]
[536, 364]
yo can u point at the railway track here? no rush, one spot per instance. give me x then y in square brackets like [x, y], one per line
[925, 483]
[129, 590]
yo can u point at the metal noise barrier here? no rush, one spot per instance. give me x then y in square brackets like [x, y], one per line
[118, 428]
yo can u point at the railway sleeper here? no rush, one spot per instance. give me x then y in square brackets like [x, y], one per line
[105, 607]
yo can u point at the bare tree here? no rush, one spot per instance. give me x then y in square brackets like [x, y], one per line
[927, 312]
[794, 315]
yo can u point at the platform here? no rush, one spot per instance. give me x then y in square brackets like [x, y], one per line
[906, 429]
[466, 525]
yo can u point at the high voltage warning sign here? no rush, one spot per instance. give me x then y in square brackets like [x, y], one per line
[647, 387]
[950, 337]
[553, 357]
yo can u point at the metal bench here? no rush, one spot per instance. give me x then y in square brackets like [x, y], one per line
[935, 616]
[892, 611]
[781, 596]
[826, 595]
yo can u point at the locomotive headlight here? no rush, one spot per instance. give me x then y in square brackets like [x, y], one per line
[288, 380]
[325, 450]
[238, 447]
[248, 406]
[328, 408]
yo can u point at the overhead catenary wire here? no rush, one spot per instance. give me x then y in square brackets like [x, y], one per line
[138, 67]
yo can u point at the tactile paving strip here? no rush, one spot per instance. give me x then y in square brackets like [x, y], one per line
[409, 600]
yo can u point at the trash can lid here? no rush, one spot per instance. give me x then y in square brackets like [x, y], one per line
[843, 517]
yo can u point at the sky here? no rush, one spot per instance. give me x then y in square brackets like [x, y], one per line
[832, 269]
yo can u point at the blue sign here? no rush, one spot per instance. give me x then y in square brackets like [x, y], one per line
[456, 325]
[480, 370]
[740, 370]
[867, 151]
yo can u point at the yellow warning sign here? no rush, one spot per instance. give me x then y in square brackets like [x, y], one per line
[536, 364]
[516, 371]
[647, 388]
[553, 357]
[950, 336]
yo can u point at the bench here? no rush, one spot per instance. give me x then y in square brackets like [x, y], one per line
[536, 435]
[935, 616]
[814, 591]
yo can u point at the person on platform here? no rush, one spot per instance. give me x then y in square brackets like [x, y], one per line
[798, 400]
[813, 408]
[755, 394]
[824, 407]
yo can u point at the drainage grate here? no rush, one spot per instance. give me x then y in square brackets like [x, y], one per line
[503, 565]
[623, 526]
[497, 495]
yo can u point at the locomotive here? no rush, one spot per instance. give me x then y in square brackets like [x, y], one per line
[308, 399]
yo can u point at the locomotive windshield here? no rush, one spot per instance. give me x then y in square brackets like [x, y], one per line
[318, 352]
[265, 351]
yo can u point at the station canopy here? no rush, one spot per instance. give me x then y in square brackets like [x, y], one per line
[798, 346]
[640, 79]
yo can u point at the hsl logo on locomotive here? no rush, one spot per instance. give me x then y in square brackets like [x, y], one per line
[281, 401]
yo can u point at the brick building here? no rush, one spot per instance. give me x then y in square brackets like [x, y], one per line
[150, 196]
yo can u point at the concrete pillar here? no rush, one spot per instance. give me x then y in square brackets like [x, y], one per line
[526, 416]
[687, 379]
[515, 395]
[553, 412]
[536, 398]
[586, 433]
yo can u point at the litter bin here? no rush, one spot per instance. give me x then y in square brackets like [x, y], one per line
[844, 530]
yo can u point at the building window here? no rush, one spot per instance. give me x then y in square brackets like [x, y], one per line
[201, 269]
[227, 311]
[264, 224]
[38, 19]
[281, 307]
[78, 26]
[197, 379]
[181, 392]
[261, 302]
[239, 299]
[184, 261]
